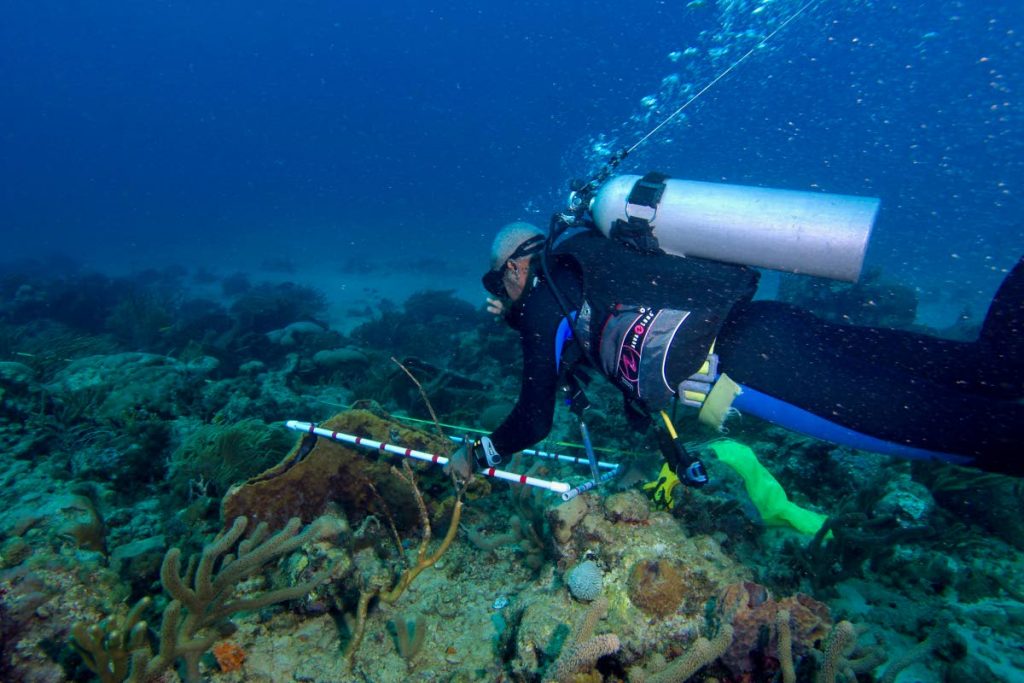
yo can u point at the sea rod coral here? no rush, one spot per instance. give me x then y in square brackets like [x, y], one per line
[117, 650]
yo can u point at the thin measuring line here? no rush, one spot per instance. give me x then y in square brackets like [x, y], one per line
[720, 76]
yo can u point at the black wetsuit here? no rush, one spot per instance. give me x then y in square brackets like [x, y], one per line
[614, 275]
[926, 392]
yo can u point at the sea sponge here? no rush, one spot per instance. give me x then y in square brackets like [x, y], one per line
[656, 587]
[306, 485]
[585, 581]
[753, 612]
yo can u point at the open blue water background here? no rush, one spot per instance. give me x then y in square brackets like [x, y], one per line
[140, 133]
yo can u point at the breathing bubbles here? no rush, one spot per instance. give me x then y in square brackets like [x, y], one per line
[676, 55]
[601, 147]
[726, 31]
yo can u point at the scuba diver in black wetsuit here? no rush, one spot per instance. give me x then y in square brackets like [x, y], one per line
[648, 320]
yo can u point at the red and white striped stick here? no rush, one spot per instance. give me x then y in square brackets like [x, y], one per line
[362, 442]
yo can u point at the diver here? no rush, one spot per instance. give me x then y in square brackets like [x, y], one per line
[648, 321]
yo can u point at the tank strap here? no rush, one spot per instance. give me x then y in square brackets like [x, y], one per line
[641, 208]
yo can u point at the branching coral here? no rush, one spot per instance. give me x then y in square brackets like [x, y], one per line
[842, 658]
[203, 600]
[701, 653]
[107, 647]
[586, 648]
[785, 634]
[378, 587]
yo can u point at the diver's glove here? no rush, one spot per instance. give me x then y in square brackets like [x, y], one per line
[472, 455]
[660, 490]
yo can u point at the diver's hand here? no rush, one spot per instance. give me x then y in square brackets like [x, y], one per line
[461, 463]
[471, 455]
[662, 488]
[495, 306]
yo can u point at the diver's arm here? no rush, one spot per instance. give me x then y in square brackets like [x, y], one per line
[531, 418]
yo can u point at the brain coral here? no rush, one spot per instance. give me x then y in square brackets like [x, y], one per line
[585, 581]
[656, 587]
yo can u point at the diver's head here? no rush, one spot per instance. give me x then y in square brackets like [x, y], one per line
[514, 246]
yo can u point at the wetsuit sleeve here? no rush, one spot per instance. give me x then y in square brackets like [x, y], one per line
[531, 418]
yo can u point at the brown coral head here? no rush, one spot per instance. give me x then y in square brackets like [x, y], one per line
[656, 587]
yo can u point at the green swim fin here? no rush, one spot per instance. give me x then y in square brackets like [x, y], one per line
[765, 491]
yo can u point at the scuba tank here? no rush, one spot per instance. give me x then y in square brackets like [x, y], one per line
[798, 232]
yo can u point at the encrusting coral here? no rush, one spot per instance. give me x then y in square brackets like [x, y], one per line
[203, 600]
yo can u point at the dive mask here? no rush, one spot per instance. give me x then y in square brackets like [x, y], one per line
[494, 280]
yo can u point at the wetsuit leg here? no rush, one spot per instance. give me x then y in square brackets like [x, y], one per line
[878, 382]
[1002, 337]
[992, 366]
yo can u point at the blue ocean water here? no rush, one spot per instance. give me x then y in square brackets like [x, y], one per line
[145, 133]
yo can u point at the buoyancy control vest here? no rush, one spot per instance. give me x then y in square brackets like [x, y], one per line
[647, 315]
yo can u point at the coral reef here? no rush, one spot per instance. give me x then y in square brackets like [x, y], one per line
[150, 419]
[197, 616]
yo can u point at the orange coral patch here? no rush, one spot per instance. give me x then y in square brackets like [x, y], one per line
[229, 656]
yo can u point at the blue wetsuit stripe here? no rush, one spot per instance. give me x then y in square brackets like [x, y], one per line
[753, 402]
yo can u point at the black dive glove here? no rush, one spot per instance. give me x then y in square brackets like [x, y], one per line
[472, 455]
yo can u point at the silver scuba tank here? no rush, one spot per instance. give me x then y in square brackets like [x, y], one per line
[799, 232]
